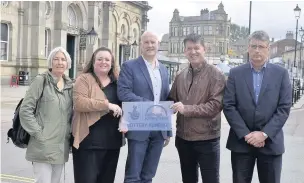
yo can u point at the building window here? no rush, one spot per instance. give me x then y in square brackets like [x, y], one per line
[171, 47]
[208, 30]
[4, 4]
[175, 47]
[199, 30]
[184, 31]
[4, 42]
[175, 31]
[123, 30]
[72, 20]
[221, 47]
[182, 47]
[274, 50]
[287, 48]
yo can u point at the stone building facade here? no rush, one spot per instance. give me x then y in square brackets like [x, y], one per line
[214, 27]
[277, 48]
[31, 29]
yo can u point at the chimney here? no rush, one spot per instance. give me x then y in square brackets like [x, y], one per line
[289, 35]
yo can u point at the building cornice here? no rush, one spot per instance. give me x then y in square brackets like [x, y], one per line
[141, 4]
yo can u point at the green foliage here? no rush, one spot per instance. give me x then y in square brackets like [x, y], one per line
[238, 32]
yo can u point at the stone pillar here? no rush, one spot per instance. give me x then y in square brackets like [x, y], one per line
[38, 29]
[144, 22]
[106, 23]
[92, 22]
[24, 34]
[60, 24]
[21, 30]
[37, 33]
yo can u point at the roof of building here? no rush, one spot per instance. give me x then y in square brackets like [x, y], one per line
[165, 38]
[240, 42]
[283, 40]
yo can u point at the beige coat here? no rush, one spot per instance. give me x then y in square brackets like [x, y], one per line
[90, 103]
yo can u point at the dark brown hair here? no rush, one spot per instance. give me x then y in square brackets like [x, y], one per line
[113, 73]
[195, 38]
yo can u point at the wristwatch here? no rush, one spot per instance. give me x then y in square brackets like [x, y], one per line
[265, 135]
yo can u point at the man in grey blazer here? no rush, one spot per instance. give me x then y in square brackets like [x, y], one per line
[144, 79]
[257, 103]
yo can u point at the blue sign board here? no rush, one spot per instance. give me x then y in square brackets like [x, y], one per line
[147, 116]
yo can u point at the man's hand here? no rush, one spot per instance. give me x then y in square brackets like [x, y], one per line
[257, 139]
[178, 107]
[167, 141]
[262, 144]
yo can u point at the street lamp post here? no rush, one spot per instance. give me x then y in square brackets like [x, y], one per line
[86, 39]
[92, 36]
[297, 12]
[301, 33]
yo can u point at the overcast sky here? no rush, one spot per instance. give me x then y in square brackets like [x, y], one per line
[275, 17]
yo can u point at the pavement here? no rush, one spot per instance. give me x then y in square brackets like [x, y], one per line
[14, 167]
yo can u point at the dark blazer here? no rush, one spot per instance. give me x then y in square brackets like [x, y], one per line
[134, 84]
[268, 115]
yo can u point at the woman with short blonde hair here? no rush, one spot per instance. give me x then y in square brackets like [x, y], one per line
[45, 114]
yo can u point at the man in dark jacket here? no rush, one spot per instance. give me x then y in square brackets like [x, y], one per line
[197, 92]
[257, 103]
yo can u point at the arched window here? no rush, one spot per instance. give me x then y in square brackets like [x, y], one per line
[134, 48]
[4, 42]
[46, 42]
[123, 30]
[72, 20]
[135, 34]
[47, 8]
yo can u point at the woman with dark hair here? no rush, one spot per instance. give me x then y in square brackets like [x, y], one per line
[97, 112]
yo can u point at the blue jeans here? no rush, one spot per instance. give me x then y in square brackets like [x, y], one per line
[203, 154]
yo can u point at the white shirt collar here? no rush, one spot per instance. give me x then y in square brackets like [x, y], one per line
[149, 64]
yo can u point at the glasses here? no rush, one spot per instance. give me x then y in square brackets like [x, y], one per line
[261, 47]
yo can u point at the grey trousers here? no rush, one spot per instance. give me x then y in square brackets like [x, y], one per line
[47, 173]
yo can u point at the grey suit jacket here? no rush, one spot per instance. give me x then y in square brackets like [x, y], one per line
[268, 115]
[134, 84]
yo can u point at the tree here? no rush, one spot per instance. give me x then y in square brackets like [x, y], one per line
[238, 32]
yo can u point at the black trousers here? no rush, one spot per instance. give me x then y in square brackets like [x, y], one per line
[205, 154]
[269, 167]
[95, 166]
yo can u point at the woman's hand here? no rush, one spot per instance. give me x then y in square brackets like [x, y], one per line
[123, 126]
[116, 110]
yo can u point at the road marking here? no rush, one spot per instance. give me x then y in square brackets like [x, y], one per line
[17, 178]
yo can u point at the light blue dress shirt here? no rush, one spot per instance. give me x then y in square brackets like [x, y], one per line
[155, 78]
[257, 80]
